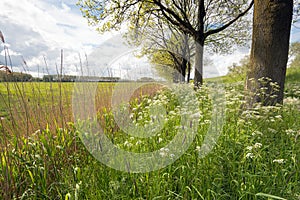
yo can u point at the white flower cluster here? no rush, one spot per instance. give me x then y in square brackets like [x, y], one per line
[163, 152]
[257, 133]
[249, 155]
[253, 148]
[290, 132]
[127, 144]
[280, 161]
[291, 101]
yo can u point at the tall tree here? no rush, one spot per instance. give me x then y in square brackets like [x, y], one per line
[161, 40]
[203, 20]
[270, 48]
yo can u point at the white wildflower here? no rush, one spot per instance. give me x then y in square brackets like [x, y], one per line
[115, 185]
[271, 119]
[241, 121]
[280, 161]
[163, 152]
[249, 155]
[172, 112]
[257, 133]
[257, 145]
[272, 130]
[290, 132]
[131, 116]
[248, 123]
[207, 121]
[138, 142]
[140, 118]
[249, 148]
[127, 144]
[196, 115]
[274, 84]
[291, 100]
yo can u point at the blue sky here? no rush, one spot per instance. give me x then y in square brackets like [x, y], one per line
[34, 29]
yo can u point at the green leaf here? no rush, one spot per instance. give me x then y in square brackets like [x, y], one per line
[270, 196]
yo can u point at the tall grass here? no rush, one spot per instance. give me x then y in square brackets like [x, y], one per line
[256, 157]
[42, 156]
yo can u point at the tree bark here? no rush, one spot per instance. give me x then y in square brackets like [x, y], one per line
[189, 73]
[270, 46]
[184, 56]
[198, 79]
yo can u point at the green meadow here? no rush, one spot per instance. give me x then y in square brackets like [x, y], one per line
[43, 156]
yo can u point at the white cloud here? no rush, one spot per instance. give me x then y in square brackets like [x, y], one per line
[10, 52]
[65, 7]
[221, 63]
[36, 29]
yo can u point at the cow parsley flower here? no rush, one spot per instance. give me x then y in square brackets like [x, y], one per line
[280, 161]
[249, 155]
[249, 148]
[160, 140]
[257, 133]
[257, 145]
[127, 144]
[290, 132]
[164, 152]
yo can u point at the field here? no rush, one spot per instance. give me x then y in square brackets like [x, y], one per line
[47, 153]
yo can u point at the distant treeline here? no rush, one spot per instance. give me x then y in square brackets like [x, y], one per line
[23, 77]
[70, 78]
[15, 77]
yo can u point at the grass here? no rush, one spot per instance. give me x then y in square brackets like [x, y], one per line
[43, 157]
[27, 107]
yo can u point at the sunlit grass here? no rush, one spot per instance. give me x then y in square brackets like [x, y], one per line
[256, 156]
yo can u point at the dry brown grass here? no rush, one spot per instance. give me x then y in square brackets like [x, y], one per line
[33, 106]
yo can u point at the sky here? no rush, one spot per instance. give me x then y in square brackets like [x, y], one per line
[37, 30]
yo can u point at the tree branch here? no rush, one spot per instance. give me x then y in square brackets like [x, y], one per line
[185, 26]
[210, 32]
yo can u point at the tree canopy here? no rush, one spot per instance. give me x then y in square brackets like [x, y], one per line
[204, 20]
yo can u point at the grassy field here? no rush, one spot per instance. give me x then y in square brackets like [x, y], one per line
[43, 157]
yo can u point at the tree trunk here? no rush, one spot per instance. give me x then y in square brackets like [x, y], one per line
[189, 66]
[184, 57]
[198, 79]
[189, 72]
[177, 67]
[183, 69]
[269, 51]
